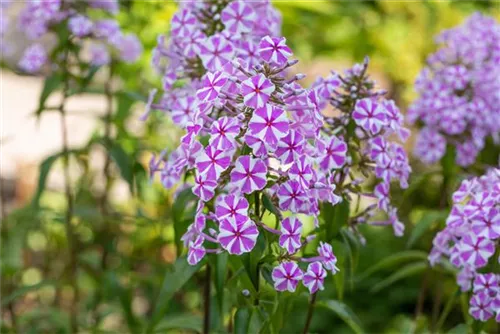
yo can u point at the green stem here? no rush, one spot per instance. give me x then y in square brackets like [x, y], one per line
[206, 313]
[446, 311]
[310, 313]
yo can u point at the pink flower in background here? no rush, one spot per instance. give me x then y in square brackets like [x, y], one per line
[291, 229]
[286, 276]
[369, 115]
[430, 146]
[269, 124]
[256, 91]
[237, 237]
[249, 174]
[274, 50]
[33, 59]
[314, 277]
[80, 25]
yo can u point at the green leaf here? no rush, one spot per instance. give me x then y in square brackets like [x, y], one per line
[394, 260]
[248, 320]
[251, 261]
[124, 104]
[423, 225]
[50, 85]
[172, 282]
[180, 321]
[268, 204]
[179, 216]
[24, 290]
[220, 278]
[334, 217]
[125, 297]
[407, 271]
[344, 313]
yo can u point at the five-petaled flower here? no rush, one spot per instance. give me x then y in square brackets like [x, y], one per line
[291, 229]
[274, 50]
[204, 187]
[238, 17]
[249, 174]
[314, 277]
[286, 276]
[211, 86]
[212, 162]
[370, 115]
[231, 207]
[224, 132]
[256, 91]
[216, 52]
[335, 154]
[270, 124]
[237, 237]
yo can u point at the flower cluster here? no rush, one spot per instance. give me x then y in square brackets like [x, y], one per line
[469, 242]
[366, 133]
[205, 37]
[254, 135]
[41, 17]
[459, 103]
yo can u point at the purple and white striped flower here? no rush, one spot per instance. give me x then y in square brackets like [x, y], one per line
[286, 276]
[216, 52]
[329, 260]
[237, 237]
[369, 115]
[274, 50]
[224, 132]
[196, 251]
[211, 86]
[212, 162]
[291, 229]
[249, 174]
[238, 17]
[291, 196]
[314, 277]
[231, 207]
[270, 124]
[335, 154]
[256, 91]
[204, 187]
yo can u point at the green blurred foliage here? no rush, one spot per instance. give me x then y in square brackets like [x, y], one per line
[130, 275]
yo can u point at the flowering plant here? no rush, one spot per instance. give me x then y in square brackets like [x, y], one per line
[259, 145]
[470, 240]
[459, 104]
[72, 21]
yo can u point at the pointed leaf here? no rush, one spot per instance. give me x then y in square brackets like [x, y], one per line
[395, 260]
[345, 313]
[407, 271]
[172, 282]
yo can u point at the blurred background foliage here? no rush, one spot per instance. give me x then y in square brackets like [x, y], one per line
[126, 267]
